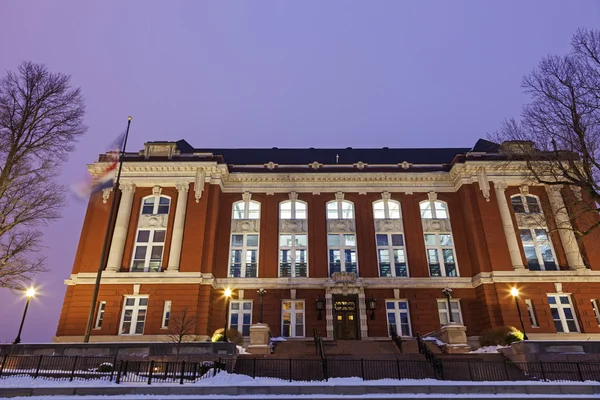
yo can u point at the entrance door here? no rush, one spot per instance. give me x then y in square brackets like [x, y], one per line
[345, 317]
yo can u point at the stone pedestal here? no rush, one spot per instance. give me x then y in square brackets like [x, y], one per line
[259, 339]
[455, 337]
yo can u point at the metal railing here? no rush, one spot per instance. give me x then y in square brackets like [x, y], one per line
[431, 358]
[397, 339]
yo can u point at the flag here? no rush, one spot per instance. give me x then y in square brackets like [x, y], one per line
[106, 177]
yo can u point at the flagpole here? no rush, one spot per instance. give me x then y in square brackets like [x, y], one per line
[103, 257]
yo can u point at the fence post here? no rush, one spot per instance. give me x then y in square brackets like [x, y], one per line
[73, 369]
[112, 370]
[290, 369]
[254, 368]
[182, 372]
[506, 370]
[166, 370]
[579, 372]
[398, 368]
[362, 369]
[542, 370]
[150, 372]
[470, 373]
[195, 366]
[325, 371]
[118, 380]
[3, 363]
[39, 364]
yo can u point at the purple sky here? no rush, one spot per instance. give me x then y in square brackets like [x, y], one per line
[275, 73]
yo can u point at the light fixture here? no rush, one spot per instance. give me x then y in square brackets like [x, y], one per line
[30, 292]
[514, 292]
[372, 305]
[227, 292]
[320, 306]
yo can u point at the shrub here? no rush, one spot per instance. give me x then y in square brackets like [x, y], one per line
[232, 334]
[501, 335]
[105, 367]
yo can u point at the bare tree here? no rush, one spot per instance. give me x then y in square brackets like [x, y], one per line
[557, 138]
[41, 117]
[182, 326]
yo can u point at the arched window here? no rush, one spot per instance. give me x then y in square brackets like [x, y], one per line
[340, 209]
[525, 204]
[439, 243]
[150, 241]
[244, 238]
[292, 209]
[246, 209]
[293, 239]
[341, 237]
[389, 238]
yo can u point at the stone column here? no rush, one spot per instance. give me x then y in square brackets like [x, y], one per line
[117, 246]
[565, 229]
[329, 313]
[509, 228]
[177, 236]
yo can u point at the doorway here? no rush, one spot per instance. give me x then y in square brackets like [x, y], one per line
[345, 317]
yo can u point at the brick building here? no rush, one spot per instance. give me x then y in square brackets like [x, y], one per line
[370, 236]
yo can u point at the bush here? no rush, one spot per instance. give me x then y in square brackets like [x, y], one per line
[105, 367]
[232, 334]
[500, 336]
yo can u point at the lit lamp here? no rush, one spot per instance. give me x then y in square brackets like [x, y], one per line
[372, 305]
[261, 292]
[448, 293]
[227, 295]
[515, 293]
[29, 293]
[320, 306]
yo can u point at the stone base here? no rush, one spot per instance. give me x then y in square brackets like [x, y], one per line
[456, 349]
[259, 339]
[259, 349]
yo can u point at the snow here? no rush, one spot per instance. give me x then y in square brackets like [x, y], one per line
[437, 341]
[318, 396]
[241, 350]
[278, 339]
[489, 349]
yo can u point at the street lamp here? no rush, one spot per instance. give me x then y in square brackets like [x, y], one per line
[29, 293]
[515, 293]
[372, 305]
[320, 306]
[448, 293]
[261, 292]
[227, 295]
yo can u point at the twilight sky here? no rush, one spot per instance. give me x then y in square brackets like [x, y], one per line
[275, 73]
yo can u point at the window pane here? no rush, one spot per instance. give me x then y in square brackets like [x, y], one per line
[397, 240]
[247, 305]
[384, 256]
[541, 235]
[300, 210]
[299, 305]
[140, 252]
[148, 209]
[285, 240]
[159, 236]
[238, 210]
[430, 240]
[143, 301]
[547, 257]
[446, 240]
[332, 210]
[517, 204]
[432, 255]
[389, 305]
[394, 209]
[426, 210]
[399, 256]
[564, 300]
[347, 210]
[252, 240]
[285, 210]
[237, 240]
[143, 236]
[301, 240]
[551, 300]
[156, 252]
[382, 240]
[532, 204]
[333, 241]
[440, 210]
[531, 256]
[130, 301]
[379, 210]
[350, 240]
[526, 235]
[448, 256]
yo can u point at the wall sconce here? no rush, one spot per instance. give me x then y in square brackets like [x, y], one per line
[320, 306]
[372, 305]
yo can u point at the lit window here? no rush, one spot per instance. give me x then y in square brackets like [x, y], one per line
[531, 313]
[440, 254]
[156, 205]
[166, 314]
[100, 315]
[340, 209]
[148, 251]
[562, 313]
[433, 209]
[596, 311]
[134, 315]
[443, 311]
[244, 256]
[342, 253]
[398, 316]
[292, 209]
[293, 257]
[246, 209]
[240, 316]
[538, 249]
[292, 317]
[525, 204]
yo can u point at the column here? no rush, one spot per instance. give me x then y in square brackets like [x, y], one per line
[177, 236]
[117, 246]
[565, 229]
[509, 228]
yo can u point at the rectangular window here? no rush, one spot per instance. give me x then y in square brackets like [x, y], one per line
[562, 313]
[538, 250]
[148, 252]
[596, 311]
[440, 254]
[134, 315]
[342, 253]
[292, 318]
[244, 256]
[166, 314]
[443, 311]
[390, 254]
[293, 257]
[100, 315]
[240, 316]
[531, 313]
[398, 317]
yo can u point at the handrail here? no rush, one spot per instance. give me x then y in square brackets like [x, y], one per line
[397, 339]
[434, 360]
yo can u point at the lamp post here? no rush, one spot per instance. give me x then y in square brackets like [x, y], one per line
[515, 293]
[448, 293]
[261, 292]
[227, 295]
[372, 304]
[29, 293]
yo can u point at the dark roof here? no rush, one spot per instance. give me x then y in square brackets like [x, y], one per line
[485, 146]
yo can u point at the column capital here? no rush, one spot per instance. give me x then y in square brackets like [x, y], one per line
[182, 186]
[554, 189]
[500, 185]
[127, 187]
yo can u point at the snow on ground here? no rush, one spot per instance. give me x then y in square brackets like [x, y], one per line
[437, 341]
[241, 350]
[278, 339]
[489, 349]
[317, 396]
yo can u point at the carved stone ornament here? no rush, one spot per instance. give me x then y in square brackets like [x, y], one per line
[405, 165]
[500, 185]
[484, 184]
[199, 184]
[385, 195]
[315, 165]
[524, 190]
[344, 277]
[360, 165]
[293, 226]
[293, 195]
[271, 165]
[340, 225]
[339, 196]
[148, 221]
[246, 196]
[127, 187]
[106, 194]
[156, 190]
[182, 186]
[577, 191]
[245, 225]
[432, 196]
[436, 225]
[388, 225]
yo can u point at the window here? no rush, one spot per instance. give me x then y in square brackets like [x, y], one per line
[390, 254]
[525, 204]
[166, 314]
[246, 209]
[531, 313]
[244, 256]
[156, 205]
[292, 255]
[340, 209]
[440, 254]
[342, 253]
[100, 315]
[398, 317]
[292, 209]
[134, 315]
[562, 313]
[148, 252]
[433, 209]
[292, 317]
[240, 316]
[443, 311]
[596, 311]
[386, 209]
[538, 249]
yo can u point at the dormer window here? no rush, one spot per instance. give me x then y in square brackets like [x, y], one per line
[525, 204]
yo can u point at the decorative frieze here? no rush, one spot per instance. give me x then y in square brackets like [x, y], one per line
[245, 225]
[293, 226]
[344, 277]
[388, 225]
[340, 225]
[149, 221]
[436, 225]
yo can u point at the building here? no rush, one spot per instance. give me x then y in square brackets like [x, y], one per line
[345, 241]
